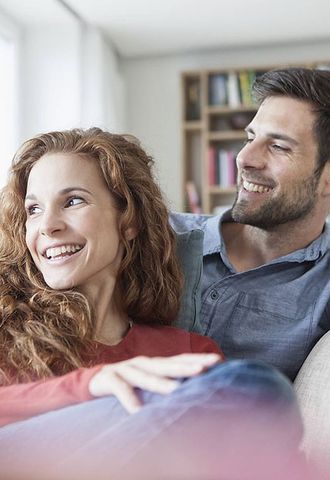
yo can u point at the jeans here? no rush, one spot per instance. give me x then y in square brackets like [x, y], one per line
[237, 421]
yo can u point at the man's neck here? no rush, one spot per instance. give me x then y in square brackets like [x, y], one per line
[249, 247]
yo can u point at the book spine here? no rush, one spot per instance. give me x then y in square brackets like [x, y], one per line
[234, 97]
[212, 175]
[218, 94]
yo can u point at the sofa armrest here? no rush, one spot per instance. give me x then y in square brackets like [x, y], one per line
[312, 387]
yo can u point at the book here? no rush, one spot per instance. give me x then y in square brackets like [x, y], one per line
[218, 94]
[232, 168]
[234, 97]
[223, 168]
[212, 169]
[245, 87]
[227, 168]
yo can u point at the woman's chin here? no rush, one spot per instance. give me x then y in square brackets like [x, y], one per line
[60, 283]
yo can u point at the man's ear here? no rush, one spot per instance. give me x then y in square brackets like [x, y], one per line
[326, 179]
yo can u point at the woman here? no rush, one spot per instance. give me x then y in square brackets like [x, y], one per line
[89, 287]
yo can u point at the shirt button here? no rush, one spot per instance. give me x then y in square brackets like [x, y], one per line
[214, 295]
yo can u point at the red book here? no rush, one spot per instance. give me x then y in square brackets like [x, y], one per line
[212, 170]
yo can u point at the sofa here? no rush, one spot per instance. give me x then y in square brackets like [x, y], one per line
[312, 384]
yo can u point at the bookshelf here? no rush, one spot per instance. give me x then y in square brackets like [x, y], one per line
[216, 107]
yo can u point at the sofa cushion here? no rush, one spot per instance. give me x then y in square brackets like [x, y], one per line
[190, 252]
[312, 386]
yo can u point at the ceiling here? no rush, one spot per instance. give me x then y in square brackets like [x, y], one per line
[156, 27]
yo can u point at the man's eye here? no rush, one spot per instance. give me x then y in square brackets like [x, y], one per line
[74, 201]
[32, 210]
[281, 148]
[248, 140]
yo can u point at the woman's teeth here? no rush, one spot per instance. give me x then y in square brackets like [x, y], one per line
[62, 250]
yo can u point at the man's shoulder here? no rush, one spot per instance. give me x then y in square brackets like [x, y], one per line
[185, 222]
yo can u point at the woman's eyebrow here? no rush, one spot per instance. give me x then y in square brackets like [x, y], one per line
[64, 191]
[73, 189]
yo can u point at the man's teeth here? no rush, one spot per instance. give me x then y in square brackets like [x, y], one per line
[253, 187]
[57, 251]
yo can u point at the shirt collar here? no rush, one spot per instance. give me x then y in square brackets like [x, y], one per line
[213, 241]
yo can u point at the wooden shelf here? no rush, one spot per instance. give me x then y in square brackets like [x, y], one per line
[218, 190]
[226, 110]
[226, 135]
[192, 125]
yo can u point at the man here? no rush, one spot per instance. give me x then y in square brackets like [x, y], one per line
[265, 286]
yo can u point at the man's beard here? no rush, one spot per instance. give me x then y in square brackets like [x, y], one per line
[289, 206]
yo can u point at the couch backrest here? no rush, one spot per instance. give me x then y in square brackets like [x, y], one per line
[190, 252]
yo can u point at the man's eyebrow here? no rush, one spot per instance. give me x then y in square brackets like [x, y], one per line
[275, 135]
[64, 191]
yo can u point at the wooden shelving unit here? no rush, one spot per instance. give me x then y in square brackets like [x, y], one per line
[212, 123]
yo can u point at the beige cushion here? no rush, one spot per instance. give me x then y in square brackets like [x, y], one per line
[312, 386]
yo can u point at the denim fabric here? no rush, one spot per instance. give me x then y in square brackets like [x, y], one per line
[239, 420]
[274, 313]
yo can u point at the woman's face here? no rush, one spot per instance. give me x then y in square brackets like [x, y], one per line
[72, 224]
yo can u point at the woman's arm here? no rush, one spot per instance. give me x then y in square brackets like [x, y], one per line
[25, 400]
[157, 374]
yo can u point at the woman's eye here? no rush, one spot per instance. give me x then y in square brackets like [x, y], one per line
[74, 201]
[32, 210]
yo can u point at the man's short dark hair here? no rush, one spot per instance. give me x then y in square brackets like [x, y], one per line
[310, 85]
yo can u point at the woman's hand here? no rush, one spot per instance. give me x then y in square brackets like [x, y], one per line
[155, 374]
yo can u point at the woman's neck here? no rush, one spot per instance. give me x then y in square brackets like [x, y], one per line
[113, 330]
[111, 322]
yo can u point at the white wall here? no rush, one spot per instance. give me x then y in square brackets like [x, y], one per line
[70, 78]
[50, 78]
[103, 88]
[153, 97]
[9, 92]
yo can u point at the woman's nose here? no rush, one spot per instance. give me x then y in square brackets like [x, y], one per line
[51, 223]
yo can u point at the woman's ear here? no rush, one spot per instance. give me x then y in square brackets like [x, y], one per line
[131, 233]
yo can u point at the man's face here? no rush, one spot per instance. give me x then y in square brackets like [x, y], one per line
[277, 182]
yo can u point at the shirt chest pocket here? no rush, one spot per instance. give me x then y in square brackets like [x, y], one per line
[266, 326]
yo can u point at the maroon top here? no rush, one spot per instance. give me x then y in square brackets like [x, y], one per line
[25, 400]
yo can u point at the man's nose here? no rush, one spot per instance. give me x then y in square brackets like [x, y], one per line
[252, 155]
[51, 223]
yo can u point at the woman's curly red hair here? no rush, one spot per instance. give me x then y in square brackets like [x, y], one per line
[45, 332]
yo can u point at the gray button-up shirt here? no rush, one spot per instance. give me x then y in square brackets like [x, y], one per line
[275, 312]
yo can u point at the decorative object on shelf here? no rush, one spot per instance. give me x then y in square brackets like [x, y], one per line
[193, 198]
[193, 103]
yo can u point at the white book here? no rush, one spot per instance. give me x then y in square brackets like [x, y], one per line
[234, 99]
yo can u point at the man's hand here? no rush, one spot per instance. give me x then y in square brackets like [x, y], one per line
[155, 374]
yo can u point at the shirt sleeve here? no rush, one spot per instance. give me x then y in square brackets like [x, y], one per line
[200, 344]
[25, 400]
